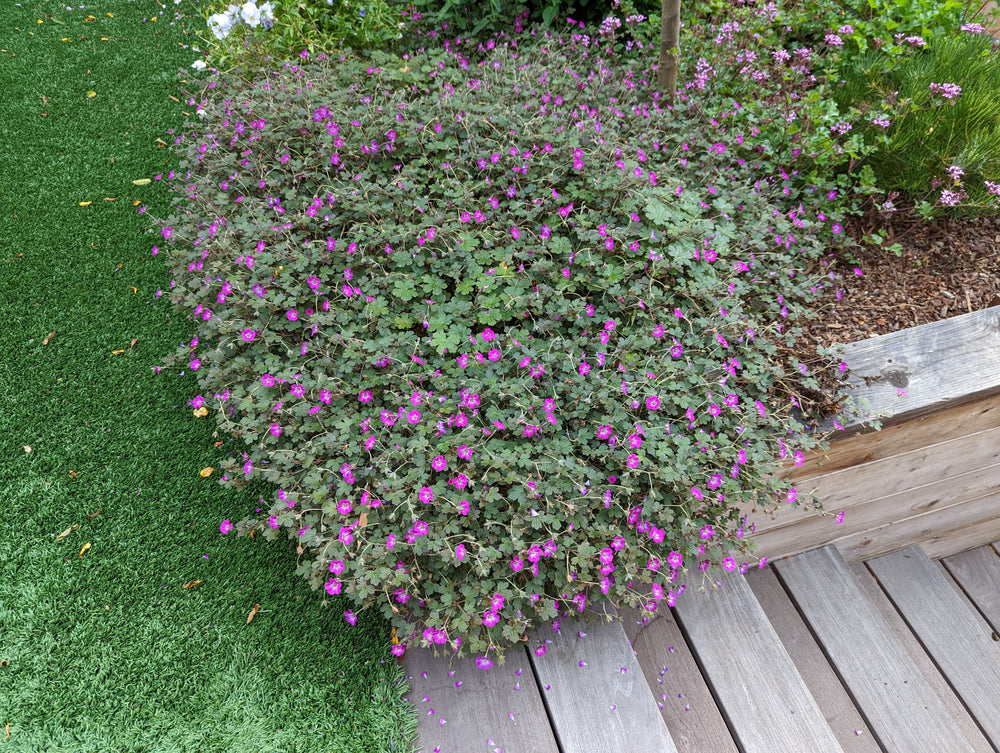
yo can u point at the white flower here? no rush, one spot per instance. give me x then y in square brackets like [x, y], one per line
[199, 65]
[267, 14]
[220, 25]
[251, 14]
[201, 113]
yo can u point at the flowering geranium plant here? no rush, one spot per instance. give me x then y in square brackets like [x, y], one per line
[506, 333]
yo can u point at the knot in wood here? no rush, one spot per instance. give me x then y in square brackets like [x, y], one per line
[896, 376]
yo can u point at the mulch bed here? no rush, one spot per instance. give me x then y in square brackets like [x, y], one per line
[947, 267]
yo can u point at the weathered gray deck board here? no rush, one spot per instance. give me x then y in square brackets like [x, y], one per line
[796, 531]
[595, 691]
[931, 365]
[917, 471]
[939, 426]
[932, 676]
[685, 701]
[847, 725]
[939, 532]
[951, 630]
[977, 571]
[490, 709]
[766, 703]
[902, 710]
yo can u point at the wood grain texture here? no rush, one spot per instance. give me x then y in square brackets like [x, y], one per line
[951, 630]
[948, 423]
[977, 571]
[767, 705]
[961, 539]
[933, 679]
[903, 712]
[821, 528]
[596, 694]
[673, 676]
[847, 725]
[927, 367]
[913, 470]
[938, 532]
[489, 709]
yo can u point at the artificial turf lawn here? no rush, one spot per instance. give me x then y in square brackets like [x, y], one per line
[107, 651]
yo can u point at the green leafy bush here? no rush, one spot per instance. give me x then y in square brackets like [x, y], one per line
[251, 33]
[938, 110]
[506, 334]
[887, 25]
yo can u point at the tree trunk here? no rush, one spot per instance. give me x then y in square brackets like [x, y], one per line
[670, 33]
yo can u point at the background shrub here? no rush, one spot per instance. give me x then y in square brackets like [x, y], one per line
[941, 145]
[238, 35]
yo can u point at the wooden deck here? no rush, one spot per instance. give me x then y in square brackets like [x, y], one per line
[932, 475]
[897, 653]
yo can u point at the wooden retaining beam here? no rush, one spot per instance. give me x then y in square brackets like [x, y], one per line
[931, 476]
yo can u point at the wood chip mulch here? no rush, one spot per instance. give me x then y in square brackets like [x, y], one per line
[947, 267]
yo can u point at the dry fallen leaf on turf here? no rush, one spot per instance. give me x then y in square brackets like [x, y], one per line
[91, 95]
[206, 472]
[161, 143]
[191, 584]
[218, 444]
[132, 344]
[141, 181]
[84, 203]
[253, 612]
[363, 519]
[94, 514]
[117, 352]
[134, 289]
[73, 474]
[48, 337]
[109, 199]
[27, 448]
[6, 729]
[201, 412]
[84, 550]
[67, 532]
[136, 203]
